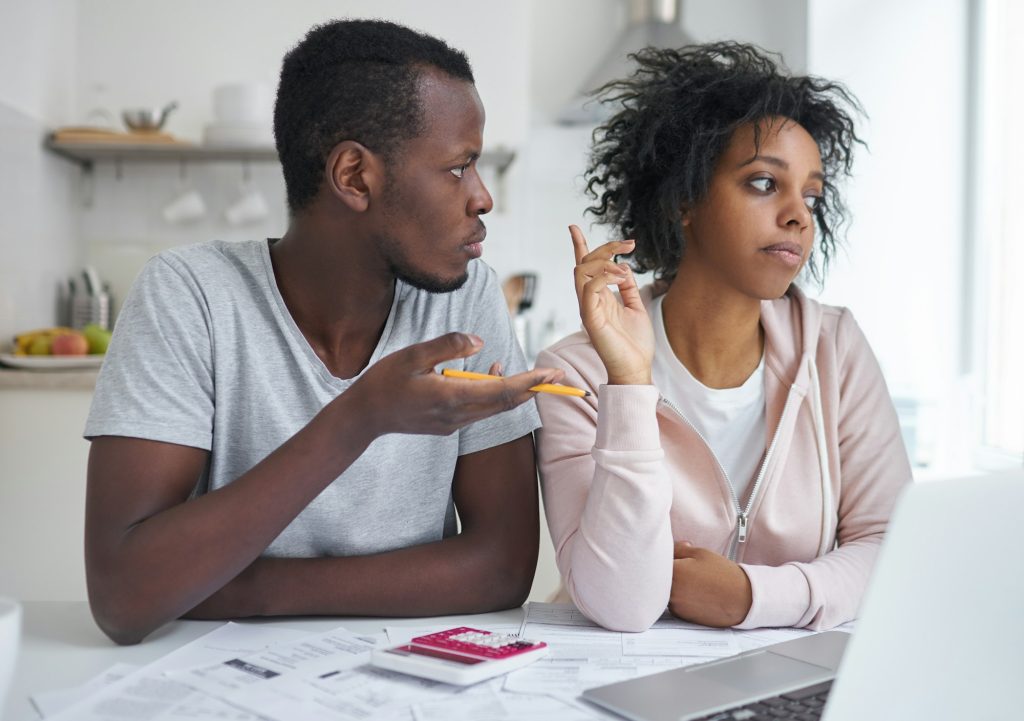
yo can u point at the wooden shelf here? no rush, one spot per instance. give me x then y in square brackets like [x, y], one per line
[88, 154]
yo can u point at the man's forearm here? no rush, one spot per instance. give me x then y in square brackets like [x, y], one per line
[156, 570]
[461, 574]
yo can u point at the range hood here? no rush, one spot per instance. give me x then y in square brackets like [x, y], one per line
[651, 22]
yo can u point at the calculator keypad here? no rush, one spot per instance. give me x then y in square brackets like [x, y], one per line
[474, 642]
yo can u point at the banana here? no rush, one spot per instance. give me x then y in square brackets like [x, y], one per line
[22, 341]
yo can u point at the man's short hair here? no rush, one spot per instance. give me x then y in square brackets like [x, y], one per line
[352, 80]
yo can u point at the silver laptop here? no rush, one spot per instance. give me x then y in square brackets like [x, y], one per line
[940, 634]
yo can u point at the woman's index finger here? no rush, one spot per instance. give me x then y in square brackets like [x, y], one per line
[579, 243]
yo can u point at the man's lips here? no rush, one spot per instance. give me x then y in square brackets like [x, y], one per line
[789, 253]
[475, 246]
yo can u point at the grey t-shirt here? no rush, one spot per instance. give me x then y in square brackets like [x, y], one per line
[206, 354]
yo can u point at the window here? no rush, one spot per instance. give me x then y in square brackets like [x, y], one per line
[997, 250]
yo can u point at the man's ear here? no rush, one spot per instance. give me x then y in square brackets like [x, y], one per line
[353, 174]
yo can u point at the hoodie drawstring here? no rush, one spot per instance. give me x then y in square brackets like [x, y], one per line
[827, 542]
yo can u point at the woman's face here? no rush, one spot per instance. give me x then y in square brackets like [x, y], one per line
[754, 229]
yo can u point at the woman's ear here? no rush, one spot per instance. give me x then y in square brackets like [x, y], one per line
[685, 214]
[353, 174]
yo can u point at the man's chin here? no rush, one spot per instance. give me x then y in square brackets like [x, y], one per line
[432, 284]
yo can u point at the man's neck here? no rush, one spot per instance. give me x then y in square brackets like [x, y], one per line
[337, 294]
[714, 331]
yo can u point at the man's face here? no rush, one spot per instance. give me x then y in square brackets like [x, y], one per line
[430, 225]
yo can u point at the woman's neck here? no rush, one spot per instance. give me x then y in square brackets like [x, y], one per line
[714, 331]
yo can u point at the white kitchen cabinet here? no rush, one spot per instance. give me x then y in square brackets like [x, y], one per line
[42, 490]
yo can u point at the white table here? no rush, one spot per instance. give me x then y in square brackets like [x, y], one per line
[61, 645]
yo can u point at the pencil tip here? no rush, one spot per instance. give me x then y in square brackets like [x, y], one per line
[586, 393]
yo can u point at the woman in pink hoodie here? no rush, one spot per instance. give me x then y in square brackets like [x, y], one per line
[739, 455]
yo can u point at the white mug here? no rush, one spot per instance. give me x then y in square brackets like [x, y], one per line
[243, 104]
[251, 207]
[10, 636]
[187, 205]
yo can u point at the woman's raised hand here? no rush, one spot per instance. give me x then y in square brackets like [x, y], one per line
[620, 331]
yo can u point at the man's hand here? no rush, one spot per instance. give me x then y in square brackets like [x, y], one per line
[707, 588]
[403, 393]
[620, 331]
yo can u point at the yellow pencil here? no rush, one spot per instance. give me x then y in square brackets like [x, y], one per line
[542, 388]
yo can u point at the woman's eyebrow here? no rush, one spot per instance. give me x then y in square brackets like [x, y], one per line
[779, 162]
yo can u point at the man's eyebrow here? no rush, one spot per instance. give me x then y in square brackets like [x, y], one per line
[780, 163]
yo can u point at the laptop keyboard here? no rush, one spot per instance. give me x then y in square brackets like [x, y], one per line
[804, 704]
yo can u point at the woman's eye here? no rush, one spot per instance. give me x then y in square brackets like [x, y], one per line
[459, 171]
[764, 185]
[811, 201]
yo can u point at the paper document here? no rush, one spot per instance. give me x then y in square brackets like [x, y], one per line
[584, 655]
[319, 677]
[489, 704]
[249, 672]
[331, 650]
[148, 694]
[564, 627]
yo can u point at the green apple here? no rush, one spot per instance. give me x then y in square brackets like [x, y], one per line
[98, 337]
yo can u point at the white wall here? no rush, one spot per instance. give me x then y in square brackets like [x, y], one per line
[133, 53]
[901, 271]
[38, 238]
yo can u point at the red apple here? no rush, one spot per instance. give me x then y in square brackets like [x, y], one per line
[70, 344]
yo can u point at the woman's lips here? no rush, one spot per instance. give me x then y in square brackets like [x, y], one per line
[790, 254]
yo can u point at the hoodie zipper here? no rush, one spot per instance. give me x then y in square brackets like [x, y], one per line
[742, 514]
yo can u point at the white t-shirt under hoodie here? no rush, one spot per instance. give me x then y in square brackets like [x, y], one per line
[731, 420]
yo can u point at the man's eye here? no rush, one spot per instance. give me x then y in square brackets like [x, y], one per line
[459, 171]
[765, 185]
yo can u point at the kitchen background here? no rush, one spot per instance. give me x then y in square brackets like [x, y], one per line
[921, 268]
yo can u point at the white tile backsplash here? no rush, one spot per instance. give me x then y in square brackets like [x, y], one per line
[38, 237]
[124, 224]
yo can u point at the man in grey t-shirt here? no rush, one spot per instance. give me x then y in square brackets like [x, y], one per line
[270, 434]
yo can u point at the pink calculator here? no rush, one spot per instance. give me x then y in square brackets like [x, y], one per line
[460, 655]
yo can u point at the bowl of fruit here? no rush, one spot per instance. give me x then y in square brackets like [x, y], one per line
[58, 347]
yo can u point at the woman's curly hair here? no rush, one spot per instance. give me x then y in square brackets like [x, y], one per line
[679, 110]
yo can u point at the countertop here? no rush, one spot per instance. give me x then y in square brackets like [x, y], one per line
[61, 380]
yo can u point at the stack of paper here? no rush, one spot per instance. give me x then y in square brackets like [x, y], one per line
[266, 673]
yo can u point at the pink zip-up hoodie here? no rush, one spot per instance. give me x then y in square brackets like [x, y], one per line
[624, 475]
